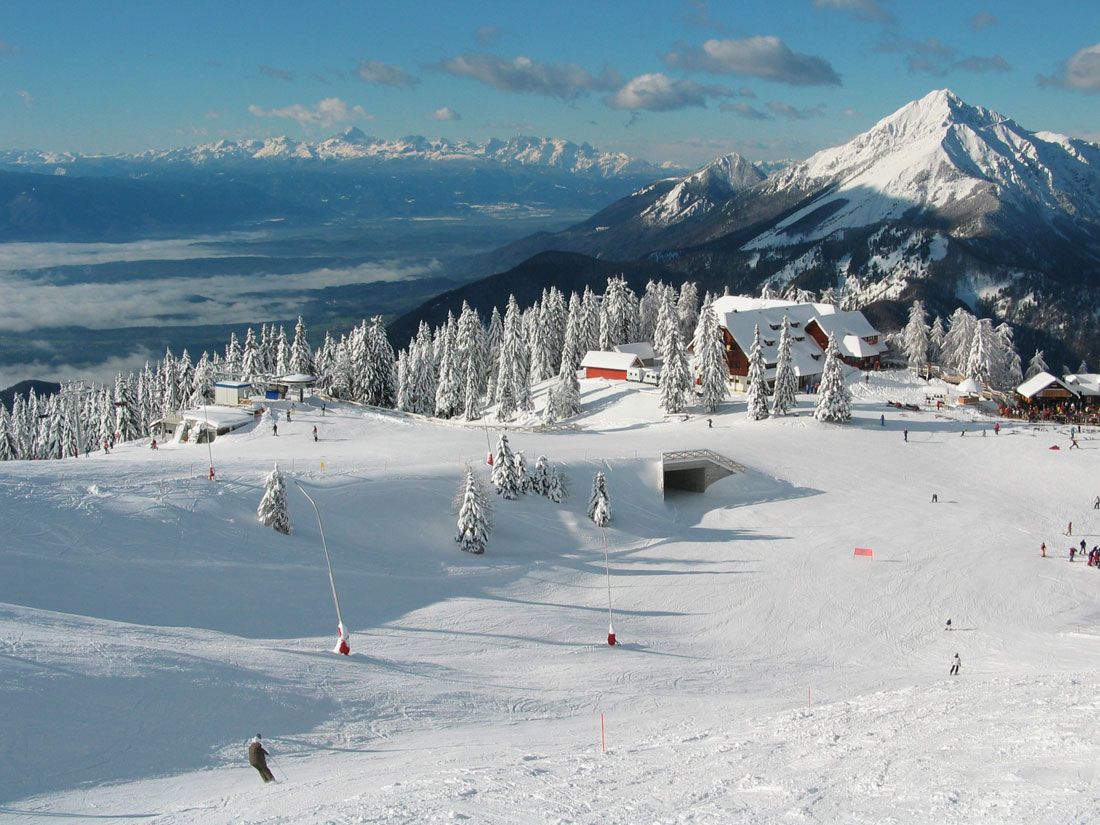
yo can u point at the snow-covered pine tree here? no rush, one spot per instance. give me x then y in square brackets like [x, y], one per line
[675, 382]
[473, 349]
[1010, 372]
[687, 308]
[980, 362]
[557, 488]
[126, 425]
[589, 338]
[916, 338]
[379, 387]
[834, 400]
[647, 310]
[523, 478]
[474, 515]
[506, 362]
[251, 367]
[786, 383]
[1082, 368]
[282, 352]
[492, 366]
[475, 373]
[710, 360]
[666, 321]
[757, 398]
[8, 448]
[448, 394]
[1037, 364]
[301, 356]
[571, 354]
[958, 341]
[935, 341]
[232, 355]
[552, 321]
[599, 502]
[273, 510]
[540, 477]
[564, 400]
[504, 470]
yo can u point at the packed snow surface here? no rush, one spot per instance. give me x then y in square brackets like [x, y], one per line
[149, 625]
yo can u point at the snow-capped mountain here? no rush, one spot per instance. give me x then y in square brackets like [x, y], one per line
[941, 199]
[354, 144]
[702, 190]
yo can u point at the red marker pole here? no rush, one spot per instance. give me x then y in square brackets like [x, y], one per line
[607, 570]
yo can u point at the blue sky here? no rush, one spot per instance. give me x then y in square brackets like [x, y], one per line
[676, 81]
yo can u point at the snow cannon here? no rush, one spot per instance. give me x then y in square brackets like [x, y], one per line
[342, 645]
[611, 635]
[211, 472]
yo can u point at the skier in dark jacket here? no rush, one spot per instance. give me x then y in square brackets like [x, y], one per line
[257, 758]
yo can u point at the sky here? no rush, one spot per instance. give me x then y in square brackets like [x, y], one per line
[679, 82]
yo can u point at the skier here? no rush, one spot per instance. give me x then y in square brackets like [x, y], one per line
[1083, 546]
[1073, 443]
[322, 408]
[1069, 529]
[905, 435]
[314, 432]
[1043, 549]
[710, 426]
[935, 499]
[257, 758]
[955, 664]
[274, 427]
[106, 449]
[882, 420]
[153, 446]
[1072, 552]
[997, 428]
[948, 625]
[1096, 504]
[288, 416]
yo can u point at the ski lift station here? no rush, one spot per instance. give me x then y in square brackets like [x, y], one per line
[202, 424]
[232, 393]
[695, 470]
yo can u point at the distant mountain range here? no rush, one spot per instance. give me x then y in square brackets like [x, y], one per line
[941, 200]
[351, 176]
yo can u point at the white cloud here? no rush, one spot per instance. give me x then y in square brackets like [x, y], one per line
[328, 112]
[1080, 72]
[657, 92]
[564, 81]
[375, 71]
[867, 9]
[446, 113]
[26, 97]
[766, 57]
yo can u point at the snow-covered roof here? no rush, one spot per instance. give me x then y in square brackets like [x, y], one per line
[806, 356]
[296, 378]
[856, 347]
[643, 349]
[233, 384]
[218, 416]
[598, 359]
[969, 387]
[1084, 383]
[1039, 382]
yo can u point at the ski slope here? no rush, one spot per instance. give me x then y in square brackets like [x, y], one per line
[149, 625]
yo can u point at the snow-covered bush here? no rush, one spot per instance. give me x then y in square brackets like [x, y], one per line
[474, 515]
[599, 503]
[273, 510]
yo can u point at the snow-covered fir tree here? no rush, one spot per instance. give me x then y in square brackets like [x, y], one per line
[557, 489]
[8, 448]
[474, 515]
[786, 383]
[675, 383]
[282, 352]
[958, 341]
[126, 425]
[494, 337]
[251, 366]
[915, 338]
[647, 310]
[449, 392]
[540, 476]
[599, 502]
[274, 511]
[1082, 368]
[378, 378]
[504, 470]
[834, 400]
[1036, 365]
[1009, 369]
[233, 355]
[936, 335]
[301, 356]
[667, 321]
[982, 359]
[564, 400]
[757, 397]
[589, 338]
[523, 478]
[508, 373]
[687, 308]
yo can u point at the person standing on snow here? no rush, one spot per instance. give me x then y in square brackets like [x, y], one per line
[1096, 504]
[257, 758]
[1072, 552]
[955, 664]
[1043, 549]
[905, 435]
[314, 432]
[274, 427]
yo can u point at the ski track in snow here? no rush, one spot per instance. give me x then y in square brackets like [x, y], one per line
[149, 626]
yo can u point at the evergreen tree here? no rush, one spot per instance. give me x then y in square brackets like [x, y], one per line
[233, 355]
[282, 353]
[1009, 368]
[599, 503]
[510, 354]
[958, 341]
[834, 401]
[473, 350]
[687, 308]
[916, 338]
[301, 357]
[935, 341]
[589, 338]
[8, 449]
[126, 425]
[675, 383]
[980, 362]
[571, 355]
[504, 470]
[786, 384]
[647, 310]
[474, 376]
[757, 398]
[492, 367]
[1037, 364]
[273, 510]
[474, 516]
[540, 478]
[666, 322]
[1082, 368]
[448, 394]
[557, 489]
[251, 364]
[710, 359]
[523, 478]
[564, 400]
[379, 376]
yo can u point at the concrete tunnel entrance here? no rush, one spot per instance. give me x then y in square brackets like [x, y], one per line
[694, 470]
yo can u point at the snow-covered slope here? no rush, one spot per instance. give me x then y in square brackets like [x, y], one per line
[149, 626]
[703, 190]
